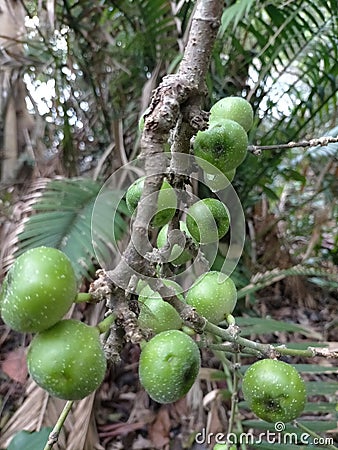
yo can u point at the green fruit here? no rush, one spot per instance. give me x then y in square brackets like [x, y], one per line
[233, 108]
[178, 254]
[157, 314]
[38, 290]
[67, 360]
[274, 390]
[217, 182]
[207, 220]
[213, 295]
[166, 203]
[223, 147]
[169, 365]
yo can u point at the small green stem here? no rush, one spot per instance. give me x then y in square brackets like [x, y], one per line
[106, 323]
[313, 434]
[54, 435]
[229, 348]
[83, 297]
[234, 396]
[230, 335]
[307, 353]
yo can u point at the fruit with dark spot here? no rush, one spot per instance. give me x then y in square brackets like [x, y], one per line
[67, 360]
[207, 220]
[223, 146]
[38, 290]
[213, 295]
[169, 365]
[274, 390]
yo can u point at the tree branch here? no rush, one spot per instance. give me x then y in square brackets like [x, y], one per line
[322, 141]
[170, 104]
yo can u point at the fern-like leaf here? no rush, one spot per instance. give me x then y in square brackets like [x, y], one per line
[262, 280]
[61, 218]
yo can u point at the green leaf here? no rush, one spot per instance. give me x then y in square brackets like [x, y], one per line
[320, 407]
[253, 325]
[63, 219]
[321, 388]
[270, 193]
[315, 368]
[26, 440]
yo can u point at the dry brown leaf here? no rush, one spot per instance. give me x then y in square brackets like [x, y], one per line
[15, 365]
[159, 430]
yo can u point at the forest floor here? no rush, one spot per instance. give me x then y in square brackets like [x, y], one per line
[121, 415]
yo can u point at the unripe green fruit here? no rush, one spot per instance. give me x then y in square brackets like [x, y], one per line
[166, 202]
[207, 220]
[233, 108]
[223, 145]
[274, 390]
[213, 295]
[217, 182]
[169, 365]
[67, 360]
[38, 290]
[157, 314]
[178, 254]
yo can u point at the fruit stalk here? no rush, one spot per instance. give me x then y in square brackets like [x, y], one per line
[54, 435]
[106, 323]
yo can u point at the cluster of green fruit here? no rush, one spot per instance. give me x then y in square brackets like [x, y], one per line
[170, 361]
[222, 147]
[65, 356]
[207, 220]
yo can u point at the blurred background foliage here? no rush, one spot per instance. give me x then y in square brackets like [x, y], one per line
[87, 70]
[75, 78]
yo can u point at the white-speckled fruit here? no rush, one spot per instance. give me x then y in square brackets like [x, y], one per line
[38, 290]
[67, 360]
[223, 146]
[169, 365]
[208, 220]
[233, 108]
[274, 390]
[213, 295]
[157, 314]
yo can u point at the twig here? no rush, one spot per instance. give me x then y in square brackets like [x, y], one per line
[231, 334]
[54, 435]
[322, 141]
[314, 435]
[172, 100]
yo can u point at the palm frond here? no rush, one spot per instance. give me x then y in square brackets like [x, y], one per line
[62, 218]
[262, 280]
[284, 58]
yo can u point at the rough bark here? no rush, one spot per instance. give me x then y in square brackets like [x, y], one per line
[175, 103]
